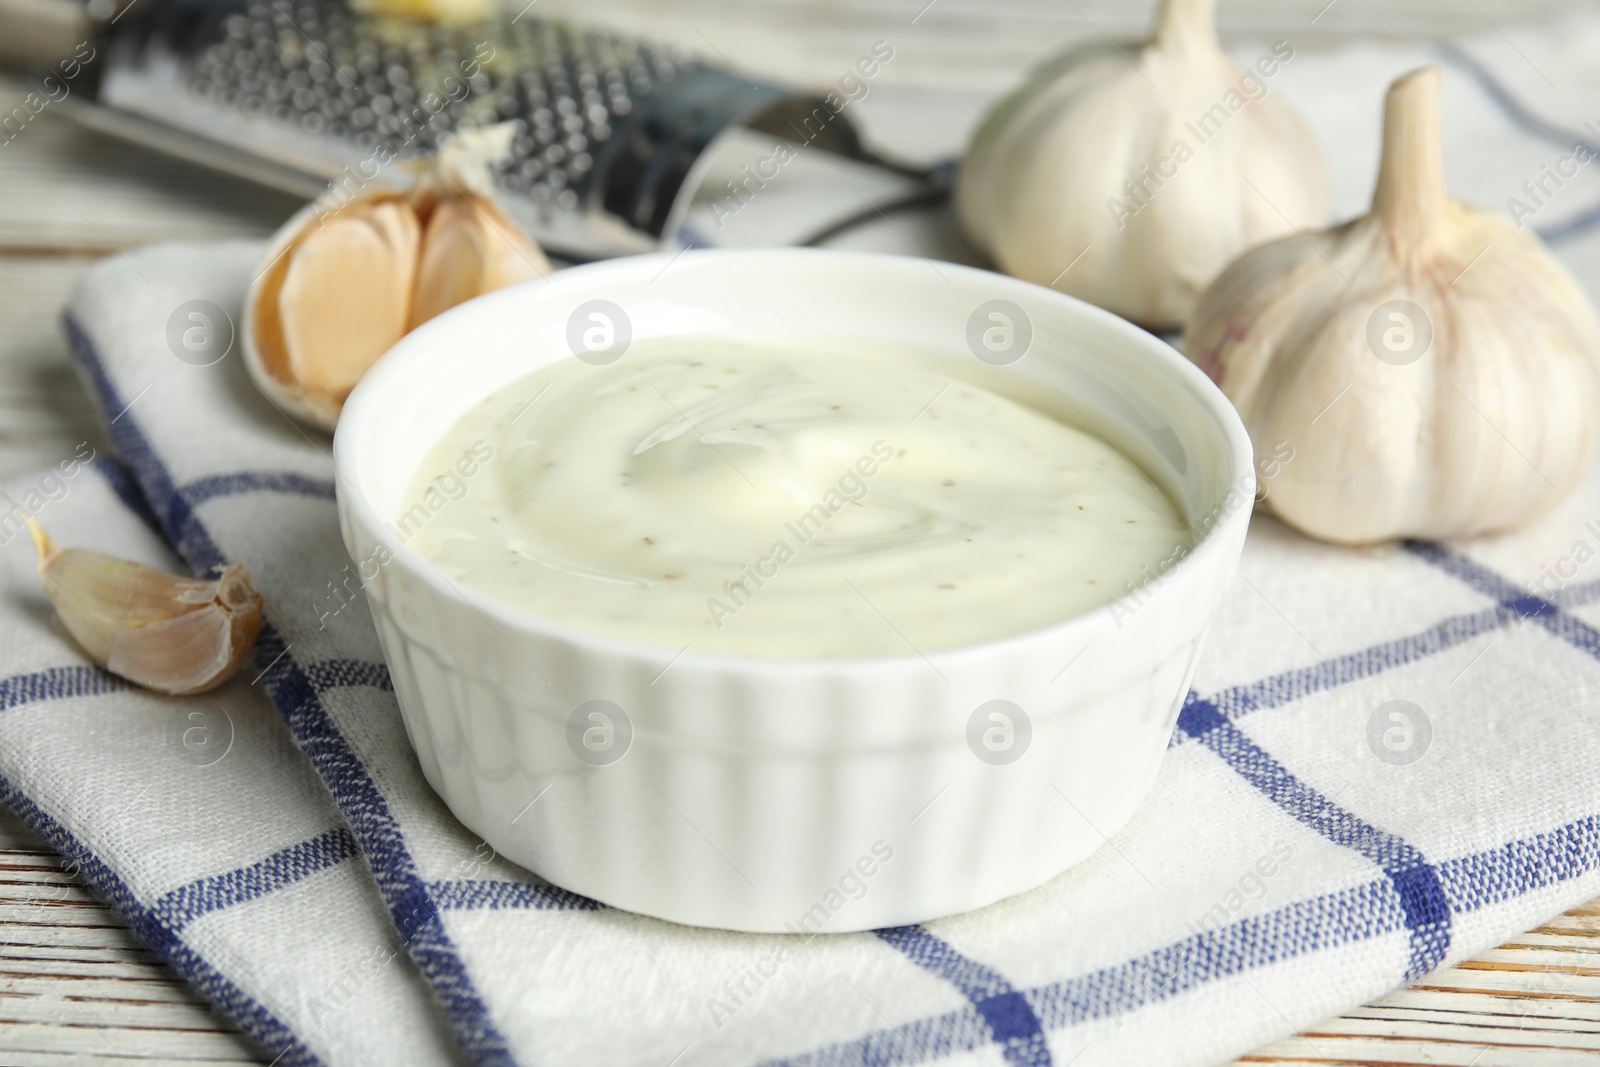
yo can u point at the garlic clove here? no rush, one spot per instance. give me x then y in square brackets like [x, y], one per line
[345, 298]
[1434, 371]
[348, 276]
[443, 11]
[164, 632]
[1131, 182]
[468, 251]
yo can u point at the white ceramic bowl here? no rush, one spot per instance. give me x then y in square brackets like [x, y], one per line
[771, 795]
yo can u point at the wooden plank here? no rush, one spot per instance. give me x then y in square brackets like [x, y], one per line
[1510, 982]
[1489, 1007]
[77, 193]
[37, 1057]
[1410, 1052]
[77, 987]
[44, 413]
[75, 984]
[1465, 1033]
[68, 1040]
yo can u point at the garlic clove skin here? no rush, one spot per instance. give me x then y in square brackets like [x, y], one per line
[348, 276]
[1472, 412]
[471, 245]
[167, 633]
[1042, 177]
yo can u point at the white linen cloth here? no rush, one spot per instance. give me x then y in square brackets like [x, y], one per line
[1309, 844]
[198, 819]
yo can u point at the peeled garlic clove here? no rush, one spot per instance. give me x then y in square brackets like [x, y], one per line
[445, 11]
[469, 249]
[347, 293]
[1131, 182]
[333, 294]
[171, 634]
[1435, 372]
[346, 278]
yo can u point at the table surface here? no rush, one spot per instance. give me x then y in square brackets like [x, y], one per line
[76, 985]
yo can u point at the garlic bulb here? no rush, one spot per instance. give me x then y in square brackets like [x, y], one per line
[170, 634]
[347, 278]
[1436, 373]
[1130, 181]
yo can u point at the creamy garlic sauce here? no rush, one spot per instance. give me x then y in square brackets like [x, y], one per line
[732, 498]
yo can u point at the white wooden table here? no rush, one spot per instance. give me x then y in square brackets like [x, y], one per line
[76, 986]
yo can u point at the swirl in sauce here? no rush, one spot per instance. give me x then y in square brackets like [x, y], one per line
[737, 499]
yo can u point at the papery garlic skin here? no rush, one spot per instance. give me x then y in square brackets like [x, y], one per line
[347, 277]
[1040, 178]
[164, 632]
[471, 246]
[1487, 428]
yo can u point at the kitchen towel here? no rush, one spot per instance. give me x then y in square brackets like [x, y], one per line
[198, 819]
[1389, 761]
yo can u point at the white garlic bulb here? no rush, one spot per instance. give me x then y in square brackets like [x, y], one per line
[348, 277]
[1131, 180]
[1435, 372]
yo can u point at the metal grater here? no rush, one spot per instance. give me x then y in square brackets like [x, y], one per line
[300, 93]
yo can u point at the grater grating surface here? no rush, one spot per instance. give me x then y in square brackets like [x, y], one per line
[608, 128]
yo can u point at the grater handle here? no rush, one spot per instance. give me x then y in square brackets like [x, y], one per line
[37, 32]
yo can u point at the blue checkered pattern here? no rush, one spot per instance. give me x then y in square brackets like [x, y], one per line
[1109, 963]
